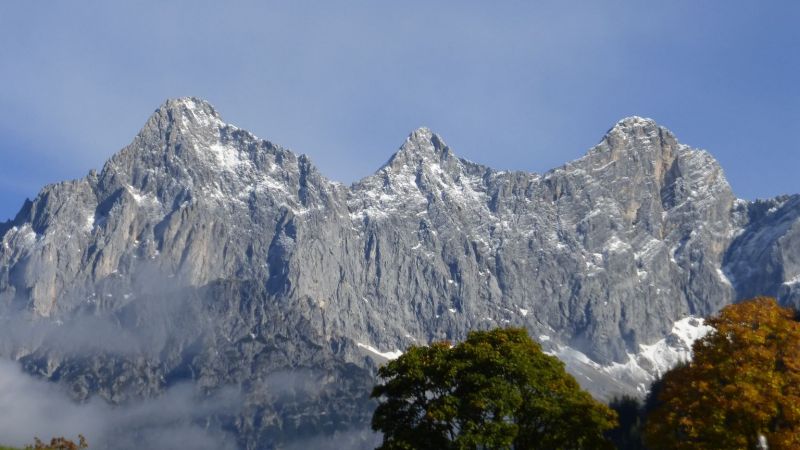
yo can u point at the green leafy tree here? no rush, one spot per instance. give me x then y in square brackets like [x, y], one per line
[496, 390]
[741, 388]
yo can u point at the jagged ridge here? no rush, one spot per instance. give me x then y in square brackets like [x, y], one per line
[601, 255]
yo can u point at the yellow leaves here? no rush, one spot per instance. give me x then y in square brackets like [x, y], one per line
[744, 381]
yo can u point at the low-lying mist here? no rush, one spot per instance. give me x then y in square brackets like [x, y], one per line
[176, 419]
[221, 366]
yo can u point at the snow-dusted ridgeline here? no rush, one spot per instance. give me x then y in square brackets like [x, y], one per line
[287, 270]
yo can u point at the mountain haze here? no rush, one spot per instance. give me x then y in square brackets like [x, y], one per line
[201, 253]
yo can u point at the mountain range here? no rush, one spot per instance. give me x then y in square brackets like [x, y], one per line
[202, 254]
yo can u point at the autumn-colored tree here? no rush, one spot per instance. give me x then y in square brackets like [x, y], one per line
[496, 390]
[59, 443]
[742, 388]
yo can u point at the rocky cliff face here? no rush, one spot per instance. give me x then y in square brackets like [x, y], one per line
[228, 260]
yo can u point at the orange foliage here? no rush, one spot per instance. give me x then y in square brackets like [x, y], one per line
[742, 385]
[59, 443]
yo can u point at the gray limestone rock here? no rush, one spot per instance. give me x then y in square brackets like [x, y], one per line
[200, 252]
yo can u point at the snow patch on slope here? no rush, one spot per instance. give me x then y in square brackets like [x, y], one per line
[388, 355]
[655, 360]
[652, 361]
[792, 281]
[228, 157]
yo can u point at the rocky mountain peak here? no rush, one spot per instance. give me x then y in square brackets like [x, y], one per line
[270, 267]
[635, 129]
[186, 149]
[422, 147]
[189, 111]
[186, 122]
[635, 122]
[423, 136]
[640, 150]
[638, 135]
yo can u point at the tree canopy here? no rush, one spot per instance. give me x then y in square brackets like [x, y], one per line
[741, 388]
[496, 390]
[59, 443]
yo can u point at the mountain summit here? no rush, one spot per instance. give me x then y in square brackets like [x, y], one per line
[421, 146]
[202, 253]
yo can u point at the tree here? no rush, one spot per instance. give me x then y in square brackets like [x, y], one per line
[59, 443]
[741, 388]
[627, 435]
[496, 390]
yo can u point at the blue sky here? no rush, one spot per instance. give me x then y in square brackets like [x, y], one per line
[525, 85]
